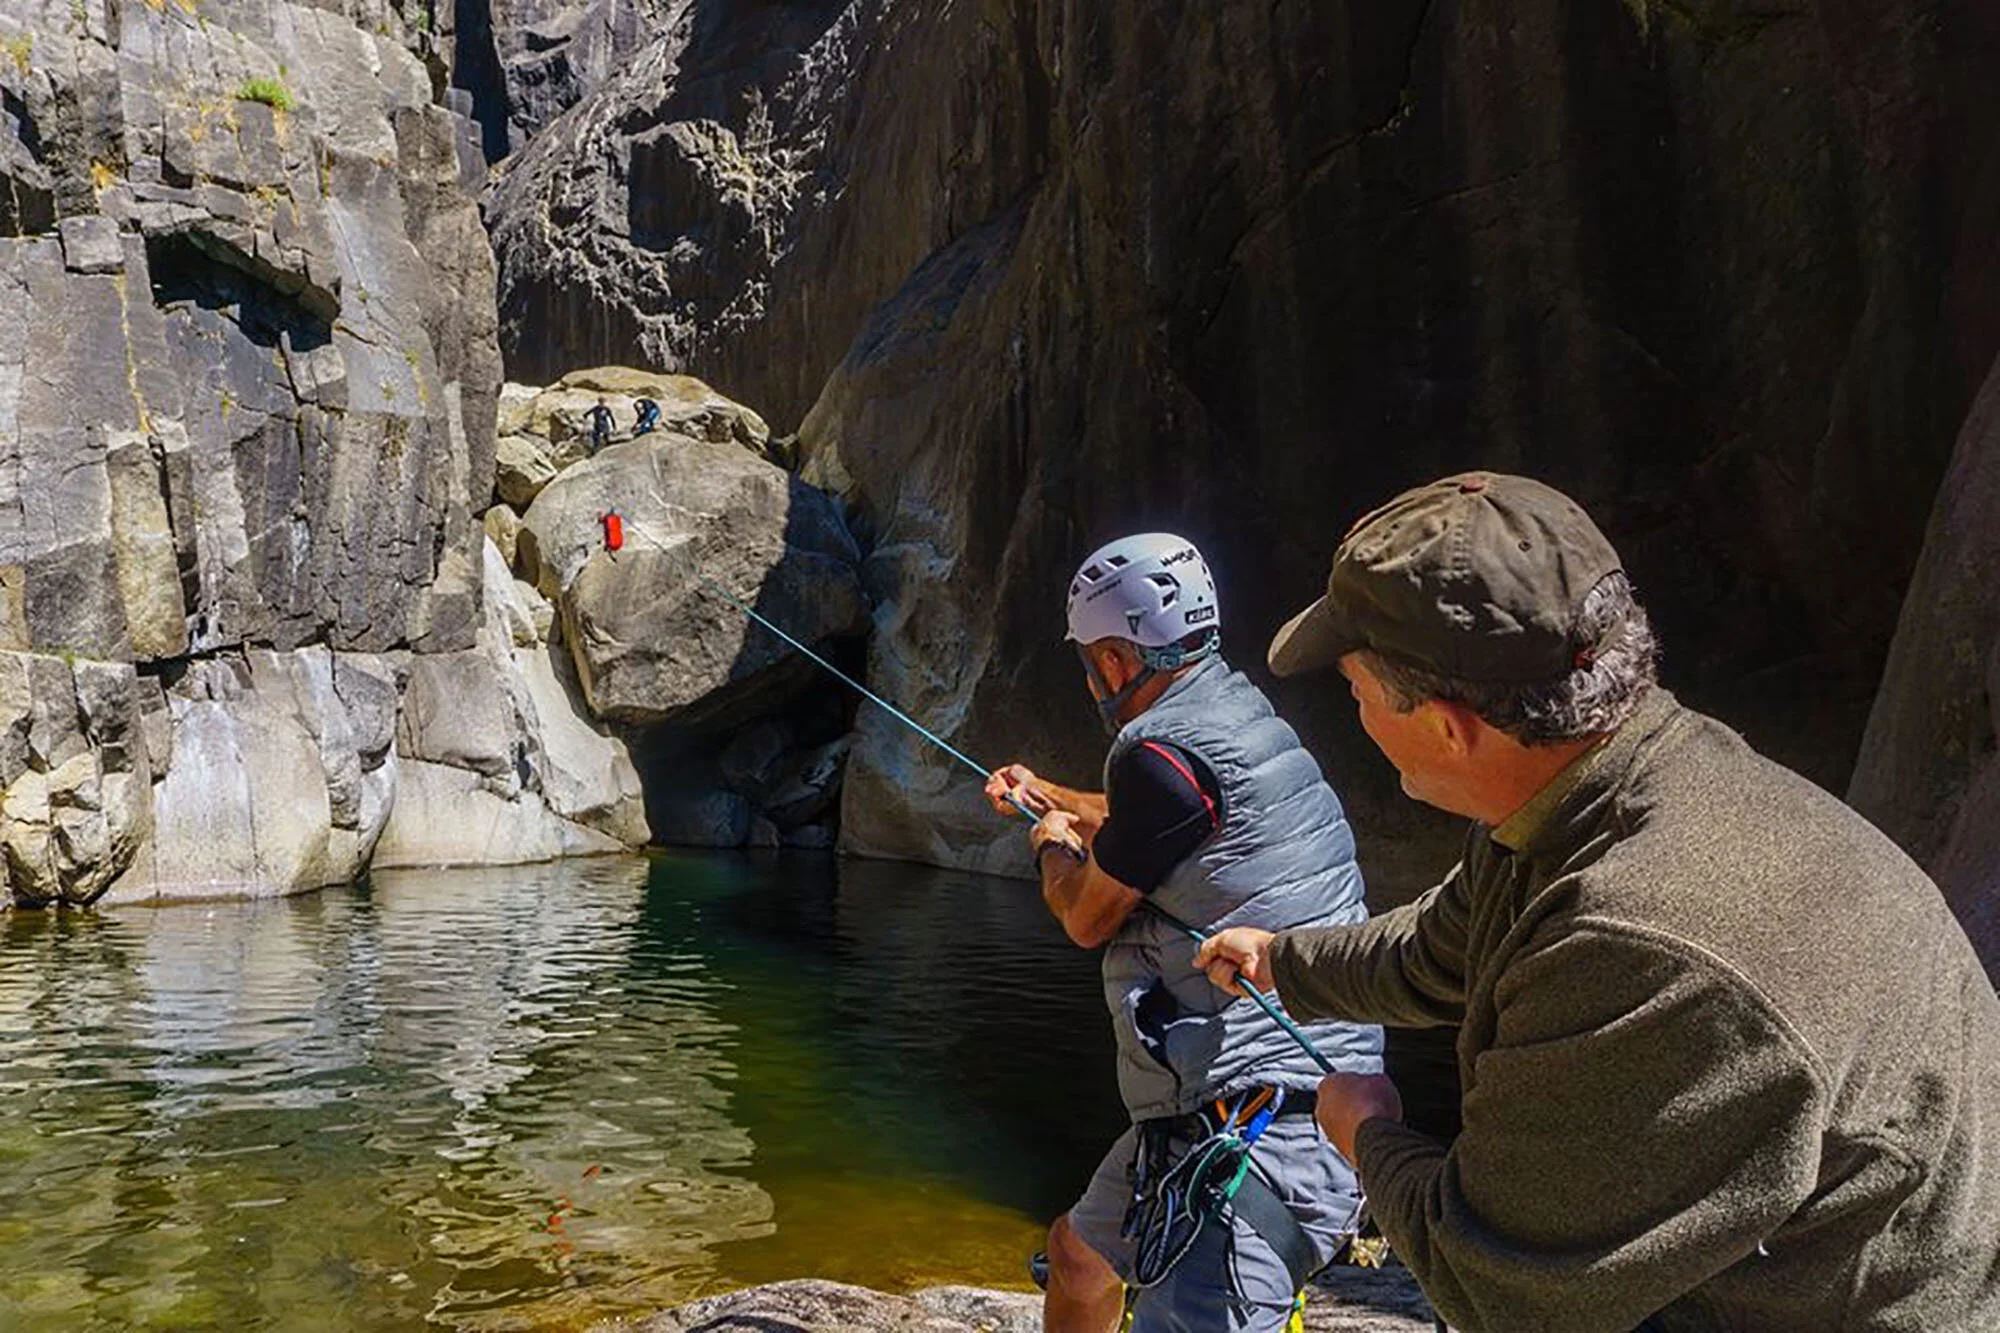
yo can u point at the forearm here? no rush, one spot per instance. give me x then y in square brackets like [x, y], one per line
[1381, 971]
[1087, 806]
[1089, 904]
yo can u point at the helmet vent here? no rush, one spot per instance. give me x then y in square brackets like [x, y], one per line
[1117, 562]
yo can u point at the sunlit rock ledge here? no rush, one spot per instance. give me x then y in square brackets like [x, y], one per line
[1343, 1300]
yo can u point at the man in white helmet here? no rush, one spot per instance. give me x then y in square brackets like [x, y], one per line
[1212, 815]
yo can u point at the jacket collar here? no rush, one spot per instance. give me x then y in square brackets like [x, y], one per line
[1562, 813]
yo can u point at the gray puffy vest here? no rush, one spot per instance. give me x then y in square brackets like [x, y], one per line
[1282, 857]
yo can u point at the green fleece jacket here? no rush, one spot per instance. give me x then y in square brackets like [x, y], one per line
[1728, 1060]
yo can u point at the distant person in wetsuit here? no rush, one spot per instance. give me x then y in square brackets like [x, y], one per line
[649, 416]
[1214, 813]
[600, 425]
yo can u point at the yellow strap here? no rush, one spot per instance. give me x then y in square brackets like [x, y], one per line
[1296, 1324]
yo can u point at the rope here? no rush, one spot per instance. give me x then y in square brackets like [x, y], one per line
[1271, 1010]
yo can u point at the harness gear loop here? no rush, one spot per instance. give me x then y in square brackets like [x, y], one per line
[1214, 1179]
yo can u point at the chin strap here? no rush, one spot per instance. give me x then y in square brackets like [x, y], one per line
[1152, 661]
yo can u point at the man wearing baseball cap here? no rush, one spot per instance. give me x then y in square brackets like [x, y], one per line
[1727, 1059]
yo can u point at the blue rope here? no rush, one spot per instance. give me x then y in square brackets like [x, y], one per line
[873, 697]
[1263, 1002]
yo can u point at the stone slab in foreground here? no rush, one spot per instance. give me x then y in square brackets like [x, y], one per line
[1345, 1300]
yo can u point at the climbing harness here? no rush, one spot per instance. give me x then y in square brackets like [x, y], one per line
[1172, 1202]
[1171, 1205]
[1214, 1179]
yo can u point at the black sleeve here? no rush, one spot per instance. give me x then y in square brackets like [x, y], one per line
[1162, 802]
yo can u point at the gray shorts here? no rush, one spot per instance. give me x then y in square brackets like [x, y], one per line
[1205, 1291]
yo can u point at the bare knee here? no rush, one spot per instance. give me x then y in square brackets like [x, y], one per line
[1074, 1266]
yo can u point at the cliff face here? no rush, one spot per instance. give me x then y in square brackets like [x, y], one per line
[244, 316]
[1726, 277]
[522, 63]
[737, 200]
[1929, 771]
[248, 381]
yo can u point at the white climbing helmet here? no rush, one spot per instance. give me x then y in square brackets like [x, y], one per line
[1153, 589]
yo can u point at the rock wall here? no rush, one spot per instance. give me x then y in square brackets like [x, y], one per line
[248, 386]
[1929, 771]
[522, 63]
[240, 388]
[1726, 277]
[75, 776]
[499, 763]
[736, 200]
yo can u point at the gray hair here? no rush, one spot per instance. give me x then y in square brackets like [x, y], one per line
[1599, 695]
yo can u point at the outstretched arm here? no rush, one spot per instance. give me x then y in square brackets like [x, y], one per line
[1405, 967]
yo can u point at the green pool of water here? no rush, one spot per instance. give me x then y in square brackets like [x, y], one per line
[537, 1097]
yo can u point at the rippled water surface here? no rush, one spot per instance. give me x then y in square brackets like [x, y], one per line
[533, 1098]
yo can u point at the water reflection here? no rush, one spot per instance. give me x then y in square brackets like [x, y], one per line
[534, 1097]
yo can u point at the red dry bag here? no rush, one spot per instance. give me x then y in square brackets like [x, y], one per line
[614, 532]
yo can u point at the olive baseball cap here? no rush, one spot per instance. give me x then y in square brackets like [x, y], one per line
[1479, 577]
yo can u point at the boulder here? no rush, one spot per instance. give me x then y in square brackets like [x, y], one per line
[446, 815]
[650, 627]
[501, 763]
[74, 778]
[512, 413]
[1342, 1299]
[587, 775]
[518, 610]
[1929, 768]
[809, 1305]
[503, 529]
[552, 429]
[523, 464]
[687, 406]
